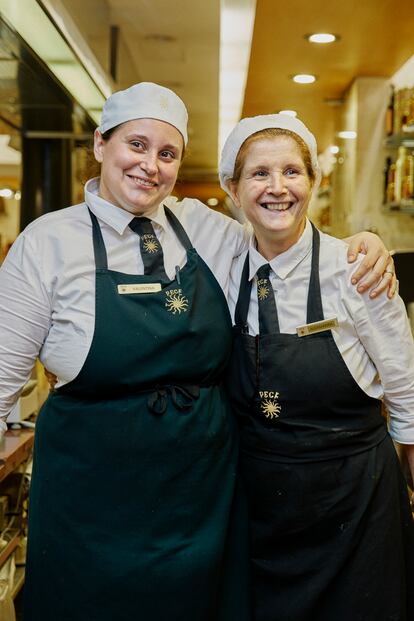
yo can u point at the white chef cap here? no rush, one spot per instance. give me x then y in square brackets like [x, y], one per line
[248, 126]
[145, 100]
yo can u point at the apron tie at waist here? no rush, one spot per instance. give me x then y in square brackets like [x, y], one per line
[182, 397]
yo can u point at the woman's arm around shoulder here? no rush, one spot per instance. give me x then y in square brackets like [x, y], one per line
[375, 273]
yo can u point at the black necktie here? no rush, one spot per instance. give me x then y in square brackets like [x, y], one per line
[151, 251]
[268, 320]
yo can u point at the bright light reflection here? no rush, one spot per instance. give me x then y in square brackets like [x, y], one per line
[322, 37]
[334, 149]
[347, 135]
[289, 112]
[304, 78]
[236, 31]
[212, 202]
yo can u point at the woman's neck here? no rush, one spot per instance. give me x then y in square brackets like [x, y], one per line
[272, 243]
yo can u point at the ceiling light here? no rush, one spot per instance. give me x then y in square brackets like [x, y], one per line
[347, 135]
[334, 149]
[236, 31]
[321, 37]
[6, 192]
[304, 78]
[289, 112]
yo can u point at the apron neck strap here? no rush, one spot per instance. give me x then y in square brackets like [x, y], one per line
[178, 229]
[243, 301]
[315, 308]
[101, 260]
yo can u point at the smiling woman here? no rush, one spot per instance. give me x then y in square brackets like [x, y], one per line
[331, 530]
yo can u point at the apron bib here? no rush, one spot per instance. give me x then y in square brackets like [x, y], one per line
[134, 478]
[330, 526]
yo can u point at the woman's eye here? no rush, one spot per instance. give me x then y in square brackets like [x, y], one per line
[291, 171]
[260, 173]
[137, 144]
[168, 155]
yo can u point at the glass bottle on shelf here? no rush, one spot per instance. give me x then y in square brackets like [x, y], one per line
[389, 115]
[407, 185]
[399, 172]
[391, 184]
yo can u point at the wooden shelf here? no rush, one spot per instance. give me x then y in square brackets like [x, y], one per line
[402, 207]
[15, 448]
[405, 139]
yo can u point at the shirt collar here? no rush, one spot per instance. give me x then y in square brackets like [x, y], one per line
[283, 263]
[116, 217]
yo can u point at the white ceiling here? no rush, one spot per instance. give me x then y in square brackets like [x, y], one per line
[176, 43]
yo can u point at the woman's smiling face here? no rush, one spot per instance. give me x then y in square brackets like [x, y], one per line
[139, 164]
[274, 190]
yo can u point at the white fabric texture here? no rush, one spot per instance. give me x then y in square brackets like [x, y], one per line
[373, 337]
[250, 125]
[145, 100]
[47, 282]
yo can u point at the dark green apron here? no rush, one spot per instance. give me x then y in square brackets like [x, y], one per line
[134, 477]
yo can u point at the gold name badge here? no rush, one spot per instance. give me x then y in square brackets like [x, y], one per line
[317, 326]
[140, 288]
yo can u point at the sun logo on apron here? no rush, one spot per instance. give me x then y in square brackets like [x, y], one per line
[262, 290]
[150, 245]
[269, 405]
[176, 302]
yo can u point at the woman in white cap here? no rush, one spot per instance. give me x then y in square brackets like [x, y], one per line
[123, 299]
[331, 531]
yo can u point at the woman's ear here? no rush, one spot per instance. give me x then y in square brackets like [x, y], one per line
[98, 146]
[232, 188]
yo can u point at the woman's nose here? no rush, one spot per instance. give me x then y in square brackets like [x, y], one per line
[277, 183]
[148, 163]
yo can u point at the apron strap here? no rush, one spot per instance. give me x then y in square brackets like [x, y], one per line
[101, 259]
[178, 229]
[315, 308]
[243, 301]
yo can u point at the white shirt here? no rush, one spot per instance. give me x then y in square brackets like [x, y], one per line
[47, 282]
[373, 337]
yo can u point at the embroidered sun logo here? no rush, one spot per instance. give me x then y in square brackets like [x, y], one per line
[270, 408]
[151, 246]
[177, 303]
[262, 292]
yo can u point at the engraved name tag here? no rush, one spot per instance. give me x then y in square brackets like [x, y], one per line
[317, 326]
[140, 288]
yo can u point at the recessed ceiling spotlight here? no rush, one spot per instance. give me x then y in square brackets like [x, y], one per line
[334, 149]
[304, 78]
[322, 37]
[347, 135]
[288, 112]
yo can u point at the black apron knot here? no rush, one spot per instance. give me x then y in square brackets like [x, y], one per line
[181, 396]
